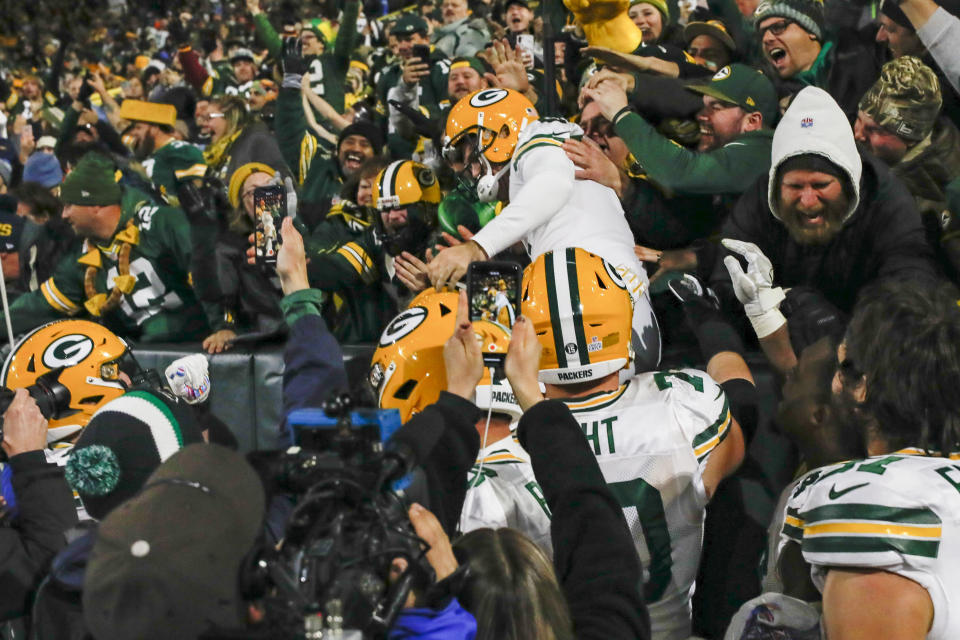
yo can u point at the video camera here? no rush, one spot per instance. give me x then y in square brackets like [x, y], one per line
[330, 576]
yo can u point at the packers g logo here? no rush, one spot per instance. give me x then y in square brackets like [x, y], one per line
[67, 351]
[614, 275]
[488, 97]
[403, 325]
[723, 73]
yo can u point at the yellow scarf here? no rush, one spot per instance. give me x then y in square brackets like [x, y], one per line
[216, 151]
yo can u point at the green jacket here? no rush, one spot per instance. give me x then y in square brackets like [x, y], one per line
[731, 169]
[327, 71]
[174, 163]
[347, 263]
[317, 173]
[432, 89]
[159, 307]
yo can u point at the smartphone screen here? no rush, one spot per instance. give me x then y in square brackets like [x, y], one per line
[422, 51]
[269, 206]
[494, 292]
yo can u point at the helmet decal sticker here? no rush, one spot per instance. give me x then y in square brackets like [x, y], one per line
[403, 325]
[67, 351]
[488, 97]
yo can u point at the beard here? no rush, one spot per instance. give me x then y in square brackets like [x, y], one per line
[819, 231]
[144, 148]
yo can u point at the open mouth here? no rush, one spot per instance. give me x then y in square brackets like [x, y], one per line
[353, 159]
[811, 218]
[777, 54]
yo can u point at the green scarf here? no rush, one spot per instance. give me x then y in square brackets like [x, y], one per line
[816, 75]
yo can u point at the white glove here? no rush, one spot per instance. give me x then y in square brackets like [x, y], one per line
[189, 378]
[754, 289]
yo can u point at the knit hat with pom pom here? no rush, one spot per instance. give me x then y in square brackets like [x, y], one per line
[124, 442]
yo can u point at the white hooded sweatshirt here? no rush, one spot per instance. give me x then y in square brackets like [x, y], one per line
[815, 124]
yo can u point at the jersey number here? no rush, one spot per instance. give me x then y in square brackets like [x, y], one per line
[149, 299]
[640, 495]
[661, 378]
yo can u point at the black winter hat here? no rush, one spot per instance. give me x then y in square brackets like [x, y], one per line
[124, 442]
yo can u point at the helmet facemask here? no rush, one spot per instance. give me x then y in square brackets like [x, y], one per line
[469, 152]
[414, 235]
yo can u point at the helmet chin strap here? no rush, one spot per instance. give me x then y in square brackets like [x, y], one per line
[489, 183]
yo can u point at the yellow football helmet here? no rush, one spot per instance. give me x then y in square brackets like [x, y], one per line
[581, 311]
[88, 357]
[495, 393]
[403, 183]
[409, 185]
[495, 116]
[407, 371]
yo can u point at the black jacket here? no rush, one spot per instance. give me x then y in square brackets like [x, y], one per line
[883, 237]
[32, 537]
[593, 552]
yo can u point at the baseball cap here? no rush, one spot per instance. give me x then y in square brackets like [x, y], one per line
[743, 86]
[712, 28]
[11, 227]
[166, 563]
[522, 3]
[47, 142]
[408, 24]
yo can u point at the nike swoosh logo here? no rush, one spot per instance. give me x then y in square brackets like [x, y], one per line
[834, 494]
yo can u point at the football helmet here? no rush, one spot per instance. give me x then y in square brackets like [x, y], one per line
[89, 359]
[409, 185]
[407, 371]
[485, 126]
[495, 393]
[581, 311]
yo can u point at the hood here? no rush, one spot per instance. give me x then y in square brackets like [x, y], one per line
[815, 124]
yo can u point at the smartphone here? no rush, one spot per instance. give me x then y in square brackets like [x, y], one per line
[422, 51]
[269, 208]
[493, 289]
[525, 44]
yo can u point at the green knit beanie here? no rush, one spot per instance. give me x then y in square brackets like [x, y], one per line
[92, 182]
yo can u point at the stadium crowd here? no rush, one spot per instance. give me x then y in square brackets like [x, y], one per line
[681, 199]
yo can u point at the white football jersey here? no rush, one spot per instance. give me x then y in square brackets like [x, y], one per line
[898, 512]
[590, 219]
[506, 494]
[652, 438]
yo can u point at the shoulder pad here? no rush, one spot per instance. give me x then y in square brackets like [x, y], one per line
[858, 513]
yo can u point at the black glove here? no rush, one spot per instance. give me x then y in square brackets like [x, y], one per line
[293, 62]
[205, 202]
[810, 316]
[86, 90]
[423, 125]
[701, 311]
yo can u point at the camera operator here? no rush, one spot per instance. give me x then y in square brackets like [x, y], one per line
[44, 510]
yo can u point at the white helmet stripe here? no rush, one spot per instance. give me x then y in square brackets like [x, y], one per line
[388, 180]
